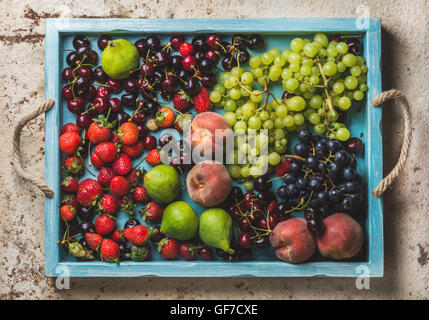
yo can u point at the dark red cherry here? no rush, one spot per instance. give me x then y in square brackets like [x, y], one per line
[68, 74]
[103, 41]
[76, 105]
[67, 92]
[115, 104]
[83, 120]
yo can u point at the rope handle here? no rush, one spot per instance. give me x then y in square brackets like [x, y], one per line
[16, 162]
[399, 97]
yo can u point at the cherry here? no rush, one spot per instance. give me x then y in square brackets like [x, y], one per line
[131, 222]
[225, 48]
[213, 41]
[83, 120]
[239, 41]
[237, 194]
[115, 104]
[72, 59]
[129, 100]
[103, 41]
[243, 57]
[272, 206]
[270, 222]
[68, 74]
[199, 42]
[139, 117]
[355, 145]
[205, 65]
[354, 45]
[192, 87]
[235, 210]
[336, 38]
[76, 105]
[162, 59]
[286, 95]
[150, 107]
[261, 242]
[86, 226]
[83, 53]
[244, 224]
[130, 85]
[91, 94]
[99, 74]
[198, 56]
[157, 235]
[142, 47]
[176, 41]
[86, 213]
[114, 85]
[81, 84]
[205, 253]
[153, 43]
[244, 240]
[176, 61]
[208, 81]
[103, 92]
[67, 92]
[169, 85]
[92, 58]
[122, 117]
[143, 130]
[149, 142]
[186, 49]
[255, 42]
[100, 104]
[228, 62]
[80, 41]
[147, 69]
[211, 54]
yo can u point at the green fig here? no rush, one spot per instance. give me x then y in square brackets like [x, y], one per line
[162, 183]
[180, 221]
[216, 229]
[119, 59]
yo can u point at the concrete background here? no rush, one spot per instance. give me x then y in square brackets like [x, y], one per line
[405, 67]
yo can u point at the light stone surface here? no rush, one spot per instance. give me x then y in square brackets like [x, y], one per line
[405, 67]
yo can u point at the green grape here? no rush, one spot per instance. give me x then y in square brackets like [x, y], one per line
[234, 171]
[279, 134]
[276, 70]
[255, 96]
[285, 53]
[316, 101]
[364, 68]
[344, 103]
[245, 91]
[320, 128]
[332, 115]
[237, 72]
[349, 60]
[355, 71]
[219, 88]
[228, 84]
[258, 72]
[288, 121]
[342, 47]
[358, 95]
[275, 52]
[254, 123]
[294, 66]
[248, 185]
[314, 118]
[315, 70]
[307, 113]
[343, 134]
[292, 84]
[281, 149]
[245, 171]
[215, 96]
[329, 69]
[230, 105]
[224, 76]
[314, 79]
[335, 100]
[338, 87]
[363, 87]
[294, 57]
[248, 109]
[332, 52]
[286, 74]
[255, 171]
[268, 124]
[303, 87]
[298, 119]
[247, 78]
[351, 82]
[244, 148]
[264, 115]
[297, 44]
[267, 58]
[240, 125]
[235, 93]
[308, 62]
[296, 103]
[310, 50]
[281, 111]
[305, 70]
[278, 123]
[280, 60]
[332, 136]
[254, 62]
[362, 78]
[261, 81]
[274, 158]
[307, 95]
[322, 39]
[360, 61]
[230, 118]
[317, 45]
[341, 67]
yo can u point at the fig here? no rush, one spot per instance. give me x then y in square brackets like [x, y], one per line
[162, 183]
[216, 229]
[119, 59]
[179, 221]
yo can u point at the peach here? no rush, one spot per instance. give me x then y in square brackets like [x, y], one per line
[209, 183]
[202, 134]
[342, 238]
[292, 240]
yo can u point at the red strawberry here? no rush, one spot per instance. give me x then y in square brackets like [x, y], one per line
[117, 235]
[98, 132]
[183, 122]
[115, 138]
[108, 205]
[69, 142]
[187, 251]
[119, 186]
[138, 235]
[135, 177]
[89, 190]
[73, 165]
[70, 184]
[202, 101]
[128, 133]
[70, 127]
[168, 248]
[181, 101]
[105, 175]
[282, 168]
[106, 151]
[70, 199]
[68, 212]
[93, 240]
[140, 194]
[153, 212]
[153, 157]
[96, 161]
[139, 254]
[134, 150]
[104, 224]
[122, 164]
[127, 205]
[109, 251]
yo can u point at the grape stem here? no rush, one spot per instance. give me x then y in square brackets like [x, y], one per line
[293, 157]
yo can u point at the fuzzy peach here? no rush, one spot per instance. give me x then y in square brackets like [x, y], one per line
[292, 240]
[209, 183]
[342, 238]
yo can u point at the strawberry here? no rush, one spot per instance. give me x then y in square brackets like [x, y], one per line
[105, 175]
[115, 138]
[181, 101]
[109, 251]
[153, 212]
[117, 235]
[138, 235]
[122, 165]
[68, 212]
[70, 199]
[70, 127]
[165, 117]
[187, 251]
[70, 184]
[140, 194]
[99, 131]
[104, 224]
[106, 151]
[93, 240]
[127, 205]
[282, 168]
[119, 186]
[183, 122]
[152, 125]
[88, 192]
[139, 254]
[108, 205]
[96, 161]
[69, 142]
[135, 177]
[168, 248]
[128, 133]
[153, 157]
[134, 150]
[202, 101]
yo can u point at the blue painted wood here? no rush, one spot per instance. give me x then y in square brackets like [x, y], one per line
[278, 33]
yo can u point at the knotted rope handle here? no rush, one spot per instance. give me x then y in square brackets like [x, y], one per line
[398, 96]
[16, 162]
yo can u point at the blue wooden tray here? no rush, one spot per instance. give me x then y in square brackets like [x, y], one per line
[277, 33]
